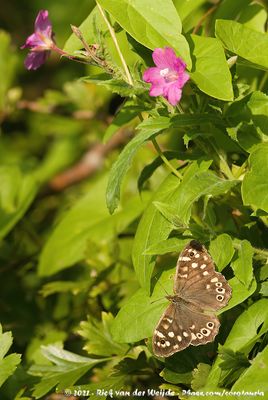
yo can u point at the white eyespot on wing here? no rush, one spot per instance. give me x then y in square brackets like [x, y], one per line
[176, 346]
[205, 331]
[185, 334]
[193, 336]
[167, 343]
[179, 338]
[205, 273]
[199, 335]
[165, 326]
[184, 269]
[171, 334]
[220, 290]
[192, 327]
[158, 344]
[207, 286]
[205, 258]
[197, 255]
[214, 279]
[194, 265]
[219, 297]
[210, 325]
[203, 266]
[218, 284]
[183, 275]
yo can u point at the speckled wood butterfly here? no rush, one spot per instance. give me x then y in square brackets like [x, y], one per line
[199, 291]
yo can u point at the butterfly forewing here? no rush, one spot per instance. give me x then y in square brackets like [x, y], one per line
[197, 281]
[198, 292]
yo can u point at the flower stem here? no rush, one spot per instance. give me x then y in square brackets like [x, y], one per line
[165, 160]
[112, 33]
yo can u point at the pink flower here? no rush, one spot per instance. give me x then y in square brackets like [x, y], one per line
[168, 77]
[40, 42]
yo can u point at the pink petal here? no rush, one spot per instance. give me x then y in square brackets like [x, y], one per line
[156, 90]
[183, 78]
[159, 58]
[42, 23]
[152, 75]
[165, 58]
[173, 94]
[35, 59]
[33, 40]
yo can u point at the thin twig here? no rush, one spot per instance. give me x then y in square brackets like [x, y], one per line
[89, 164]
[202, 19]
[165, 160]
[112, 33]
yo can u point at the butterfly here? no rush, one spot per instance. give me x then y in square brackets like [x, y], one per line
[199, 291]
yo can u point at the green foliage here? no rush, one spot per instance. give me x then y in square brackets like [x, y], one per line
[243, 41]
[163, 25]
[64, 370]
[8, 363]
[102, 186]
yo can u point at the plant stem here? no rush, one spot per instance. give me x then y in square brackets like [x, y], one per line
[112, 33]
[165, 160]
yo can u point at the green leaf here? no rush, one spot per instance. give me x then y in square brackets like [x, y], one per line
[8, 364]
[254, 379]
[210, 71]
[221, 250]
[200, 375]
[88, 221]
[115, 85]
[244, 334]
[98, 336]
[242, 265]
[87, 28]
[138, 317]
[149, 169]
[150, 24]
[7, 68]
[256, 178]
[240, 292]
[17, 192]
[194, 186]
[170, 213]
[243, 41]
[258, 106]
[166, 246]
[67, 368]
[176, 377]
[264, 289]
[254, 17]
[127, 113]
[233, 365]
[123, 163]
[185, 8]
[64, 286]
[181, 120]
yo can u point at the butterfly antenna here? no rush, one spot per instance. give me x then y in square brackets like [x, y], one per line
[160, 284]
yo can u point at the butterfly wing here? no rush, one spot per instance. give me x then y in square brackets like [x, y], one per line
[182, 325]
[197, 281]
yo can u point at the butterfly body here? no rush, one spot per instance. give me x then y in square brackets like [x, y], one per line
[198, 292]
